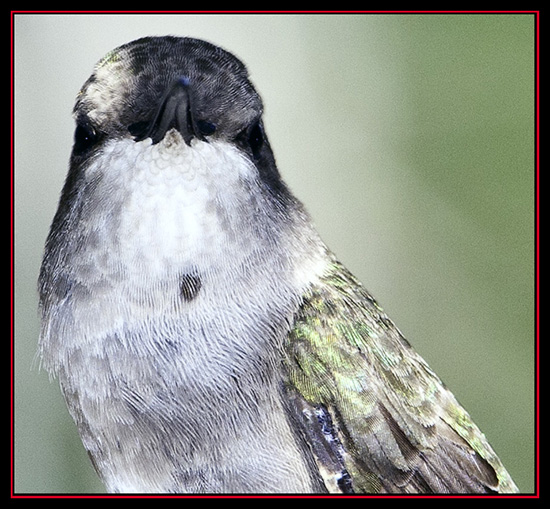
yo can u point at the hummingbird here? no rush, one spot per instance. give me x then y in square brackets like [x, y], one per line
[205, 338]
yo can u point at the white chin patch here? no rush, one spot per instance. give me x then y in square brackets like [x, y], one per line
[180, 203]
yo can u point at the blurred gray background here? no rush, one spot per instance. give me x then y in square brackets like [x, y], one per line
[410, 138]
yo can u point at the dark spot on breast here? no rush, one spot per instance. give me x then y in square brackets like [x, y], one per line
[190, 286]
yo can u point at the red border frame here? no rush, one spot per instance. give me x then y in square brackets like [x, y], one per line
[536, 13]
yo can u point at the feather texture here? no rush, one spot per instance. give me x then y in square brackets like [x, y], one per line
[396, 427]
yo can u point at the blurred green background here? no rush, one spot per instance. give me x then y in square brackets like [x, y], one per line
[410, 138]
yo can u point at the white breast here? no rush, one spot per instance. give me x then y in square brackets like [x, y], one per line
[201, 372]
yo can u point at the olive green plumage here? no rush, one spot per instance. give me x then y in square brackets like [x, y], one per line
[394, 426]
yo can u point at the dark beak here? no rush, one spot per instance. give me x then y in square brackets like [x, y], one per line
[174, 112]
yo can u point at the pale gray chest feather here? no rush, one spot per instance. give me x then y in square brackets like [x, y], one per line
[172, 310]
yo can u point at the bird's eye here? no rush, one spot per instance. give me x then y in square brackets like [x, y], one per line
[206, 128]
[85, 137]
[140, 130]
[256, 139]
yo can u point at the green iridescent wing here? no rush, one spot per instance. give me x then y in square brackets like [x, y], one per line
[377, 418]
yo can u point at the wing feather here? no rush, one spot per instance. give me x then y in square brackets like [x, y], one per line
[395, 427]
